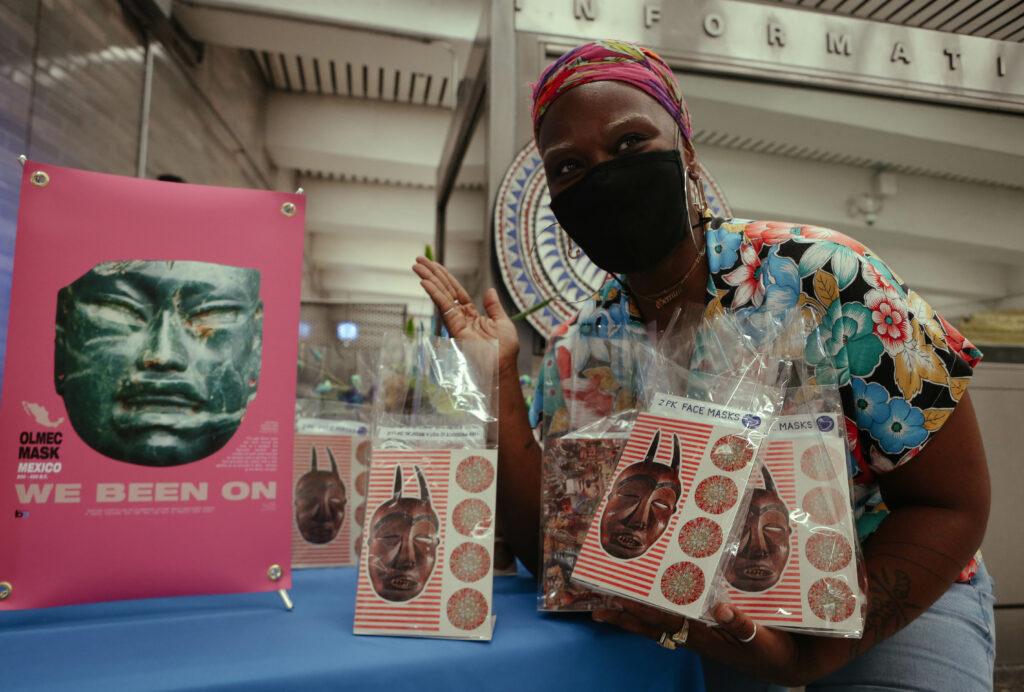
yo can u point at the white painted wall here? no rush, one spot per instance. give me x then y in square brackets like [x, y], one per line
[998, 395]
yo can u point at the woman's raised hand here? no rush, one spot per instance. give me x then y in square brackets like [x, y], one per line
[462, 318]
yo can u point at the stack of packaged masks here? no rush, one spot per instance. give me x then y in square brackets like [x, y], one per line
[729, 483]
[579, 455]
[331, 465]
[426, 563]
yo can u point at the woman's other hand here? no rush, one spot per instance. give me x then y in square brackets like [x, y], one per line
[769, 654]
[461, 317]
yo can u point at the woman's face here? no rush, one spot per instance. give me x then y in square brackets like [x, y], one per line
[599, 121]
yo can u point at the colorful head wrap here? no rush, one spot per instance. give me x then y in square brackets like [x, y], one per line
[601, 61]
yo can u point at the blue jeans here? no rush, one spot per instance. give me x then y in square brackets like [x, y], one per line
[949, 647]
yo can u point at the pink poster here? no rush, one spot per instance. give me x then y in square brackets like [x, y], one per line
[146, 421]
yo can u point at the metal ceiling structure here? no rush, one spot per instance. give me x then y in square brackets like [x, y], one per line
[362, 96]
[996, 19]
[354, 80]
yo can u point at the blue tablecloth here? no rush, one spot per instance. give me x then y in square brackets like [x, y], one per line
[250, 642]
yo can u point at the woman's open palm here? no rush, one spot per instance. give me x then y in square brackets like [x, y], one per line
[461, 317]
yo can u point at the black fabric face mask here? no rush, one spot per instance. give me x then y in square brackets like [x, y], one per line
[628, 213]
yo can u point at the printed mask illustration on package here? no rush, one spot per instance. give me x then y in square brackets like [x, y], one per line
[642, 501]
[320, 501]
[794, 558]
[403, 538]
[763, 550]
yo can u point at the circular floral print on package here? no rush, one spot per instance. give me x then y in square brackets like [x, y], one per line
[817, 464]
[474, 474]
[716, 494]
[732, 453]
[825, 505]
[470, 562]
[472, 517]
[700, 537]
[828, 551]
[467, 609]
[831, 599]
[682, 583]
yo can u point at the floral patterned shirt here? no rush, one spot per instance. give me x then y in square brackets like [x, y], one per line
[899, 366]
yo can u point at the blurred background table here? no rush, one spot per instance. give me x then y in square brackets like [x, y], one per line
[250, 642]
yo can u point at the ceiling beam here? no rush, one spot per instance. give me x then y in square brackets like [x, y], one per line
[942, 140]
[383, 253]
[360, 279]
[347, 207]
[372, 140]
[927, 215]
[417, 305]
[451, 20]
[347, 50]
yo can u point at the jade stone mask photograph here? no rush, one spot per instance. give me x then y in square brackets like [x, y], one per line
[158, 360]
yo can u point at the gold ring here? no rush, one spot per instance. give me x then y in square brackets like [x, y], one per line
[675, 640]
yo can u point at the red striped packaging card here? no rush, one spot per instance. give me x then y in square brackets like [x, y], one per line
[815, 588]
[661, 528]
[426, 567]
[331, 466]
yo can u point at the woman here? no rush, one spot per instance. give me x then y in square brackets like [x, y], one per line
[614, 135]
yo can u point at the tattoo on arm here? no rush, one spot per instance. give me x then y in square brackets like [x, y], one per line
[889, 608]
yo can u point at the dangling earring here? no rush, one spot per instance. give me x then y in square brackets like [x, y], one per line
[691, 177]
[574, 250]
[700, 205]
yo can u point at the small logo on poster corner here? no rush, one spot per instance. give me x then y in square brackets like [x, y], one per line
[39, 413]
[20, 514]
